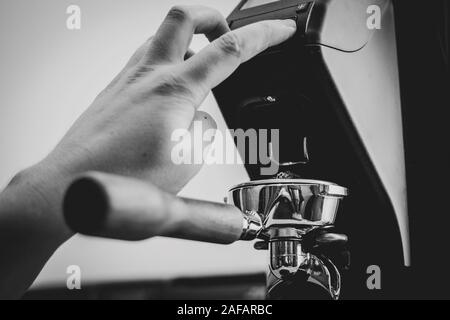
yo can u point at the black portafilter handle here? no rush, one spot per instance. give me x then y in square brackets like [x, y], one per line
[116, 207]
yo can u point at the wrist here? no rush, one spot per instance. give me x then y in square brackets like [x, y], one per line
[34, 199]
[31, 227]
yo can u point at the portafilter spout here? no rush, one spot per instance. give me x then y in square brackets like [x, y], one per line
[291, 210]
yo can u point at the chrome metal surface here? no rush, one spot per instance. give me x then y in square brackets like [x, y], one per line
[320, 271]
[288, 209]
[252, 226]
[286, 257]
[300, 204]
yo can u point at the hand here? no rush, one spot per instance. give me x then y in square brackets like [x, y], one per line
[128, 128]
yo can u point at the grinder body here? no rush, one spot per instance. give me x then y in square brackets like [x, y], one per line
[333, 93]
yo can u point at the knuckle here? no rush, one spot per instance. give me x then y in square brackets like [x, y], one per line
[218, 16]
[138, 72]
[173, 86]
[230, 44]
[179, 14]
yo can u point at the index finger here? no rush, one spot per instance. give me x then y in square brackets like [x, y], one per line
[174, 36]
[222, 57]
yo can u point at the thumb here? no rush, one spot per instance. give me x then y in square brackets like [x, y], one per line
[188, 152]
[201, 136]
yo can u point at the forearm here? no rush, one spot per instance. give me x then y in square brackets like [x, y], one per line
[31, 227]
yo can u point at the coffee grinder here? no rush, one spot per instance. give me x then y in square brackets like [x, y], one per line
[332, 92]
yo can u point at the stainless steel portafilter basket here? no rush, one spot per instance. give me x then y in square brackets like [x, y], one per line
[300, 204]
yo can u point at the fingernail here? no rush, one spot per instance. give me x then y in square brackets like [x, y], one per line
[289, 23]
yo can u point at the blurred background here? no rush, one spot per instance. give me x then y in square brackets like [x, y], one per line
[49, 76]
